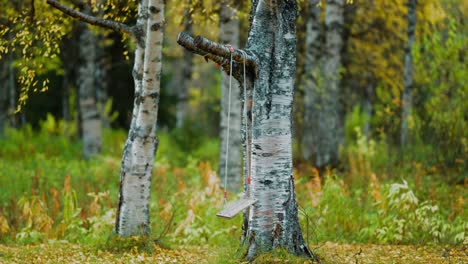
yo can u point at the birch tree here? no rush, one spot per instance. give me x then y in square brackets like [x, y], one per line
[406, 97]
[312, 103]
[229, 34]
[141, 145]
[91, 124]
[184, 86]
[270, 57]
[330, 129]
[323, 130]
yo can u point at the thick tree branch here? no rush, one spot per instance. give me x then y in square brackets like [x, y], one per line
[206, 47]
[186, 41]
[219, 54]
[104, 23]
[223, 51]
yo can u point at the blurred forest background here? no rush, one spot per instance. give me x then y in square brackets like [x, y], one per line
[393, 169]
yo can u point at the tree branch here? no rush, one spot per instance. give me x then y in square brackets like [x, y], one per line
[104, 23]
[204, 46]
[186, 41]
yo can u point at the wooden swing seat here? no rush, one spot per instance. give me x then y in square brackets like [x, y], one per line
[233, 208]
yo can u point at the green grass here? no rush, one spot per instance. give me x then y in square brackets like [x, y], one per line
[50, 195]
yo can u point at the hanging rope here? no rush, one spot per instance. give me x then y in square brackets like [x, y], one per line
[231, 49]
[246, 103]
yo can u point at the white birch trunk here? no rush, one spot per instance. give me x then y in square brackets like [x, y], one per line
[271, 58]
[141, 145]
[229, 34]
[273, 220]
[313, 82]
[90, 116]
[329, 127]
[183, 107]
[406, 97]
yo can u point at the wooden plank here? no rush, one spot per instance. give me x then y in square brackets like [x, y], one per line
[233, 208]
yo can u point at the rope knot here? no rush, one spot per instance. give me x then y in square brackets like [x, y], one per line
[230, 47]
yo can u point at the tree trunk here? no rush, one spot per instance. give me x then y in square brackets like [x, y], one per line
[12, 94]
[141, 145]
[184, 86]
[140, 148]
[329, 127]
[313, 83]
[103, 67]
[271, 60]
[273, 220]
[406, 97]
[367, 108]
[4, 64]
[229, 34]
[90, 115]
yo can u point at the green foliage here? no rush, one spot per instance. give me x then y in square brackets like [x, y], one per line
[404, 219]
[64, 199]
[441, 75]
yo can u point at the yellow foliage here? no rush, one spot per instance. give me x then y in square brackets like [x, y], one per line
[4, 227]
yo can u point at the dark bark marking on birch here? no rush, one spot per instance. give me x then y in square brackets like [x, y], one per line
[156, 26]
[154, 9]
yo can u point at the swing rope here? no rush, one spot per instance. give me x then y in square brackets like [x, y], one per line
[226, 165]
[231, 49]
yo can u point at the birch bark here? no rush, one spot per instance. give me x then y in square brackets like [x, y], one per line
[141, 145]
[406, 97]
[90, 116]
[313, 82]
[229, 34]
[329, 127]
[273, 220]
[184, 86]
[271, 61]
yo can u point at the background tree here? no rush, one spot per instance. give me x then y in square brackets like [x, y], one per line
[183, 93]
[313, 81]
[406, 97]
[3, 95]
[90, 116]
[229, 34]
[141, 145]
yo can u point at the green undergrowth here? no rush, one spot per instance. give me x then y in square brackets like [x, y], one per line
[50, 195]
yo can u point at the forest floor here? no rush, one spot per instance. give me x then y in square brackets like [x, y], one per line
[329, 253]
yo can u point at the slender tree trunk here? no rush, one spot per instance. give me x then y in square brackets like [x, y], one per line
[229, 34]
[102, 70]
[406, 97]
[183, 108]
[367, 107]
[141, 145]
[313, 83]
[329, 127]
[66, 95]
[103, 63]
[4, 65]
[12, 94]
[90, 115]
